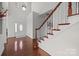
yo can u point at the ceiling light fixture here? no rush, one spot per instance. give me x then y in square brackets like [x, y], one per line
[23, 7]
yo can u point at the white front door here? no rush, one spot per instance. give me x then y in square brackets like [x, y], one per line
[19, 29]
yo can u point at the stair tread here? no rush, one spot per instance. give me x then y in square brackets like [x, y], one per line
[56, 29]
[45, 36]
[39, 41]
[64, 24]
[50, 33]
[42, 39]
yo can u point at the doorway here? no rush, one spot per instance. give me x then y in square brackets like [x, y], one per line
[19, 30]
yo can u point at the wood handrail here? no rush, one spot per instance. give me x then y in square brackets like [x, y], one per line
[49, 15]
[3, 14]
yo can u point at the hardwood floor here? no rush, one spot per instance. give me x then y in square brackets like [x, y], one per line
[22, 47]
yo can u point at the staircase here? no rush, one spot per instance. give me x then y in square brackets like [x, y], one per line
[57, 21]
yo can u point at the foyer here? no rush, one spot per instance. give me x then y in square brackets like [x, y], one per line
[39, 28]
[24, 47]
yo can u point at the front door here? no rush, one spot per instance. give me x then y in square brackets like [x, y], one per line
[19, 29]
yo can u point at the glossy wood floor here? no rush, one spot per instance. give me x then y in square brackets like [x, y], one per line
[22, 47]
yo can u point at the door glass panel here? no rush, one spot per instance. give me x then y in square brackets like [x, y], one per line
[21, 27]
[15, 27]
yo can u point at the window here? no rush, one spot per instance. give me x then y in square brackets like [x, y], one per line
[21, 27]
[15, 27]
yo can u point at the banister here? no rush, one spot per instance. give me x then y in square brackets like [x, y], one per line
[35, 43]
[49, 15]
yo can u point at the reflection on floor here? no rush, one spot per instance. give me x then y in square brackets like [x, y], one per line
[22, 47]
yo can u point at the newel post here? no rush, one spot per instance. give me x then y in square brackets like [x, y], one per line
[35, 43]
[69, 8]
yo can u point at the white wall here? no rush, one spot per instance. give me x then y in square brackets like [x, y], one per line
[66, 43]
[29, 25]
[36, 19]
[17, 15]
[42, 7]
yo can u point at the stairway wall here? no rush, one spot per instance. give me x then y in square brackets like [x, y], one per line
[42, 7]
[64, 43]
